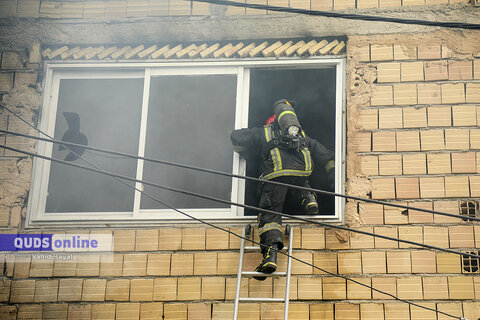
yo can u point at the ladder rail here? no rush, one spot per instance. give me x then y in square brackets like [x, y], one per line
[289, 271]
[239, 275]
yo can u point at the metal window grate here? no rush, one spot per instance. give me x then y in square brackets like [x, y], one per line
[469, 209]
[470, 264]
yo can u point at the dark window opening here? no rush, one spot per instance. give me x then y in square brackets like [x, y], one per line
[314, 91]
[469, 209]
[470, 264]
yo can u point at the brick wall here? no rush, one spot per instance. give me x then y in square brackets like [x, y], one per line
[117, 9]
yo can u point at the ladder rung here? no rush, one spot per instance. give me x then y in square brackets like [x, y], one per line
[254, 273]
[258, 248]
[262, 299]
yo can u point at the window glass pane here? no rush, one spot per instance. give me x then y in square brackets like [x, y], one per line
[314, 92]
[189, 121]
[106, 112]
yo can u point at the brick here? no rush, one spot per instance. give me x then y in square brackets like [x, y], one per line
[414, 163]
[464, 115]
[6, 81]
[79, 311]
[46, 291]
[435, 236]
[435, 288]
[158, 264]
[193, 239]
[373, 262]
[476, 69]
[388, 72]
[429, 93]
[322, 311]
[382, 96]
[337, 239]
[400, 52]
[8, 8]
[460, 70]
[456, 186]
[449, 308]
[135, 264]
[464, 162]
[118, 290]
[361, 141]
[438, 163]
[216, 239]
[362, 241]
[111, 265]
[415, 117]
[381, 52]
[439, 116]
[408, 141]
[383, 188]
[473, 92]
[231, 286]
[259, 289]
[368, 119]
[432, 187]
[429, 52]
[141, 290]
[448, 263]
[29, 312]
[70, 290]
[310, 288]
[334, 288]
[410, 288]
[182, 264]
[5, 287]
[124, 240]
[447, 207]
[399, 262]
[94, 290]
[389, 118]
[342, 4]
[381, 243]
[199, 311]
[405, 94]
[384, 284]
[169, 239]
[127, 311]
[55, 311]
[436, 70]
[146, 240]
[298, 311]
[415, 216]
[103, 311]
[41, 268]
[362, 53]
[151, 311]
[422, 313]
[384, 141]
[355, 290]
[326, 261]
[474, 186]
[205, 263]
[371, 213]
[372, 311]
[279, 288]
[72, 10]
[213, 288]
[313, 238]
[411, 71]
[423, 261]
[23, 291]
[410, 233]
[474, 139]
[349, 262]
[165, 289]
[65, 268]
[347, 311]
[369, 165]
[461, 288]
[11, 60]
[471, 309]
[453, 93]
[461, 237]
[395, 215]
[301, 268]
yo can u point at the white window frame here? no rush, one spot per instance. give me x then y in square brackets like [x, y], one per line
[36, 215]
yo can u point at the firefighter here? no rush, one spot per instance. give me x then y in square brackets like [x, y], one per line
[286, 154]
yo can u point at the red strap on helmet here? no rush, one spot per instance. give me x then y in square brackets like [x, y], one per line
[270, 120]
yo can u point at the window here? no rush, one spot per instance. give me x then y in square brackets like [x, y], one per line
[179, 112]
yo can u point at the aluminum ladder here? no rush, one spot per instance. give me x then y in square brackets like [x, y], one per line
[247, 231]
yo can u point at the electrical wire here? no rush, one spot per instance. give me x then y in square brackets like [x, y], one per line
[121, 154]
[460, 25]
[104, 172]
[228, 231]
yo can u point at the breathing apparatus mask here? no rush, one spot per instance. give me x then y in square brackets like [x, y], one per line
[289, 125]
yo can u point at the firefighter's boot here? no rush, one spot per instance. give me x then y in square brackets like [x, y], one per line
[309, 203]
[269, 262]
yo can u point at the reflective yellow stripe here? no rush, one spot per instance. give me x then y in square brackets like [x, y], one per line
[269, 226]
[277, 160]
[286, 172]
[307, 158]
[329, 165]
[268, 133]
[286, 112]
[238, 148]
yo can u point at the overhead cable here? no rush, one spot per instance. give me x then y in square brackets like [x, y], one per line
[103, 150]
[460, 25]
[323, 224]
